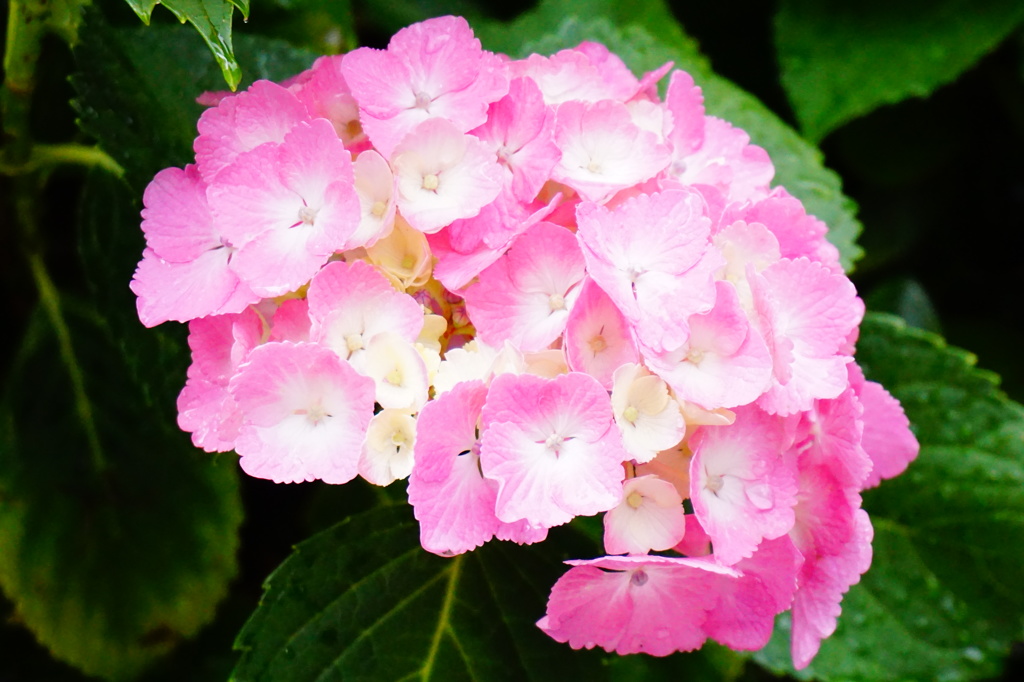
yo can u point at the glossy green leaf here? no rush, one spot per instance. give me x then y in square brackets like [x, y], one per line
[212, 19]
[942, 599]
[842, 60]
[646, 35]
[363, 601]
[144, 8]
[118, 538]
[137, 89]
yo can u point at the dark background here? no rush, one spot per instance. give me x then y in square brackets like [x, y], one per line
[939, 181]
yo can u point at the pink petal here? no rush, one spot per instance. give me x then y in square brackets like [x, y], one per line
[519, 128]
[745, 615]
[186, 291]
[650, 604]
[887, 438]
[443, 175]
[304, 414]
[823, 581]
[451, 499]
[649, 518]
[208, 411]
[725, 362]
[812, 310]
[642, 275]
[350, 303]
[288, 207]
[525, 297]
[326, 95]
[742, 488]
[602, 150]
[266, 112]
[685, 102]
[435, 68]
[176, 217]
[597, 336]
[550, 448]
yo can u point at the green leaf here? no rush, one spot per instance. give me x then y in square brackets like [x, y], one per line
[64, 17]
[942, 599]
[137, 89]
[905, 297]
[212, 19]
[363, 601]
[110, 246]
[118, 537]
[842, 60]
[326, 26]
[646, 35]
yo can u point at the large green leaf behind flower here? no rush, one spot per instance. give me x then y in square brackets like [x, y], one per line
[842, 60]
[117, 538]
[942, 599]
[363, 601]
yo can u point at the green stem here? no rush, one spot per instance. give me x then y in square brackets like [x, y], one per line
[44, 155]
[49, 298]
[26, 25]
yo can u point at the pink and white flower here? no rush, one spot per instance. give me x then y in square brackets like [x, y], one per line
[304, 414]
[287, 207]
[433, 69]
[550, 446]
[526, 296]
[742, 487]
[537, 291]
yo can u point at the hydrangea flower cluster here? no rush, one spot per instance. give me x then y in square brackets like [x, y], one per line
[537, 290]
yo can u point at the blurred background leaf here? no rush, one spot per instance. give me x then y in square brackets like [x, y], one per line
[118, 538]
[839, 61]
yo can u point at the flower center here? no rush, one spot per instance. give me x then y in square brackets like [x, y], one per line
[315, 414]
[714, 483]
[630, 414]
[354, 342]
[353, 129]
[430, 182]
[423, 101]
[378, 208]
[556, 302]
[633, 272]
[634, 500]
[307, 215]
